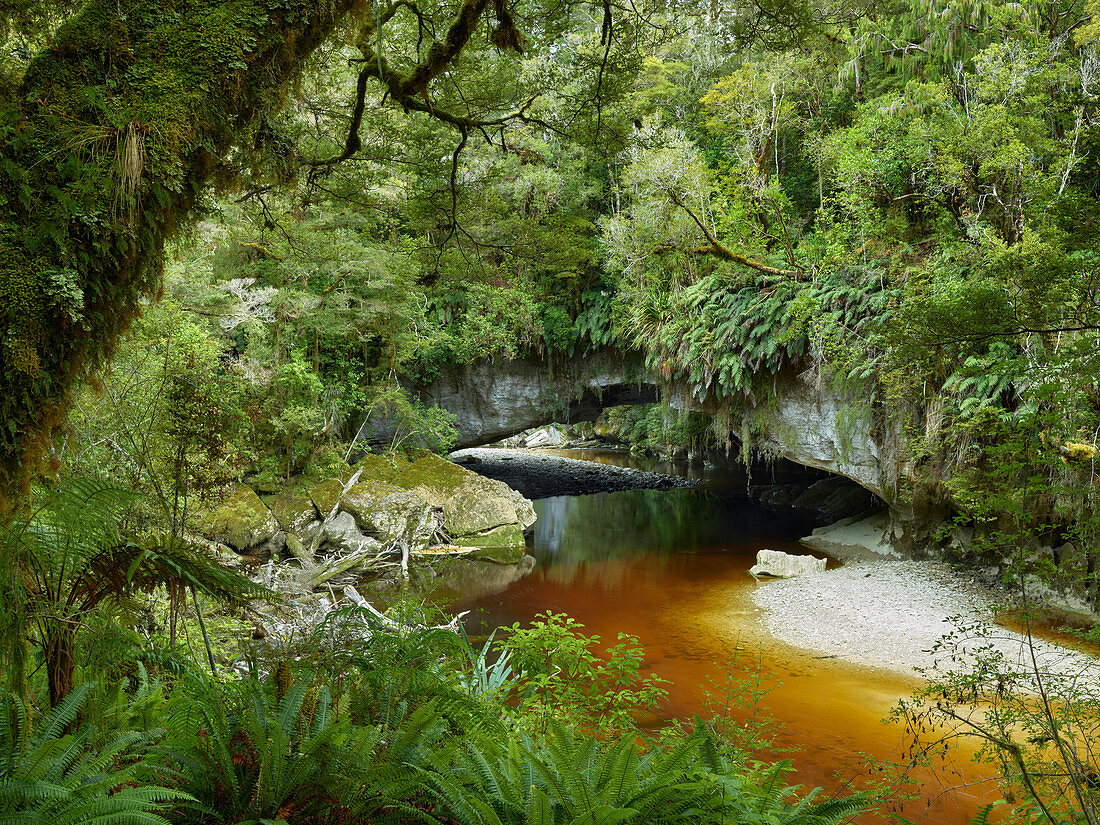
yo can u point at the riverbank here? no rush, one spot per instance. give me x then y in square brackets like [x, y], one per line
[535, 475]
[893, 614]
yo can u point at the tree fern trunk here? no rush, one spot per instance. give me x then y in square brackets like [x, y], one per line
[60, 665]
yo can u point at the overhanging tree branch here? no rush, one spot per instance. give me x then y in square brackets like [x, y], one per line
[719, 250]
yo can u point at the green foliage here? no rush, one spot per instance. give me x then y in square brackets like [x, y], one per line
[656, 427]
[720, 338]
[63, 772]
[107, 139]
[70, 557]
[164, 419]
[258, 757]
[1030, 710]
[559, 675]
[571, 778]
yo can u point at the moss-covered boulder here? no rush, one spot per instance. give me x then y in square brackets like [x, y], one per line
[242, 521]
[391, 513]
[293, 511]
[382, 510]
[475, 508]
[325, 494]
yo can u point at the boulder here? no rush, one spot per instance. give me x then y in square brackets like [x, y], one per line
[343, 537]
[242, 521]
[782, 565]
[294, 512]
[324, 495]
[474, 507]
[390, 513]
[549, 436]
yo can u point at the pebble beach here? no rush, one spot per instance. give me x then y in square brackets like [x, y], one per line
[892, 614]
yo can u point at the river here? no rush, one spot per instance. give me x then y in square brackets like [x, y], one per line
[669, 566]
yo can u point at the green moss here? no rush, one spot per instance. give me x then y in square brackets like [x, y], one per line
[382, 467]
[503, 544]
[325, 494]
[438, 478]
[116, 130]
[292, 511]
[240, 520]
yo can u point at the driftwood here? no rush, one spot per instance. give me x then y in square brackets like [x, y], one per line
[359, 560]
[332, 513]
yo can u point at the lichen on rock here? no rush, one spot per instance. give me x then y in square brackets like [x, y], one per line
[474, 507]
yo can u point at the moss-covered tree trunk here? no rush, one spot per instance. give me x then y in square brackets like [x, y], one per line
[105, 148]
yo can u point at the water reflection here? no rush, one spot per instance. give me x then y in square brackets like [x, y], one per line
[573, 533]
[669, 566]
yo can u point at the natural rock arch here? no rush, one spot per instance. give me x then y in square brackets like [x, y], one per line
[493, 399]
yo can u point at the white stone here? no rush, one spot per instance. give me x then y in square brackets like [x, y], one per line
[782, 565]
[547, 437]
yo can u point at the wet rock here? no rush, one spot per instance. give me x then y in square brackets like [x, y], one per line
[501, 549]
[780, 565]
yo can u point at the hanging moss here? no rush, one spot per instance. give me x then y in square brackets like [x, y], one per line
[104, 151]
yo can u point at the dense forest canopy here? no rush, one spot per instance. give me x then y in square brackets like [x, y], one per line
[231, 229]
[897, 195]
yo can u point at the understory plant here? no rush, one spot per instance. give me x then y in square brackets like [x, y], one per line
[1032, 710]
[560, 675]
[566, 776]
[61, 768]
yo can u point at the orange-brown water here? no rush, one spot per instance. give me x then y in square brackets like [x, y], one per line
[670, 568]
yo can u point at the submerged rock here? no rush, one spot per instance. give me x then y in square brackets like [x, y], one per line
[780, 565]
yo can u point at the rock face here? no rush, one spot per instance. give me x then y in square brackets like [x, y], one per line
[495, 399]
[781, 565]
[837, 430]
[855, 538]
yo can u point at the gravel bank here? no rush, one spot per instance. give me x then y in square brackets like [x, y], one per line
[890, 614]
[535, 475]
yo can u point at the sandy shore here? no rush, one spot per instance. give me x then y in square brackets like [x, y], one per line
[892, 614]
